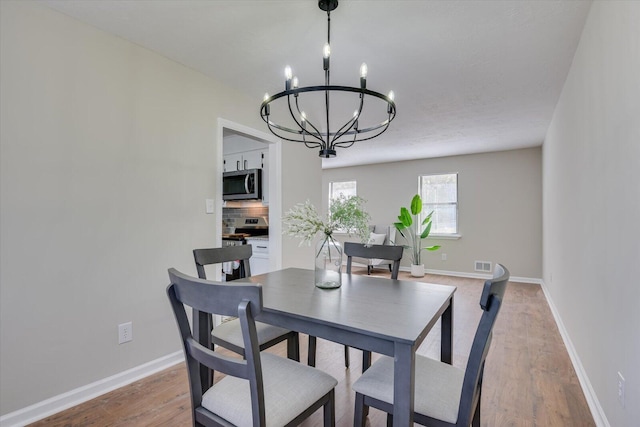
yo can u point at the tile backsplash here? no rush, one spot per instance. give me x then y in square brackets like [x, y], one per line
[241, 212]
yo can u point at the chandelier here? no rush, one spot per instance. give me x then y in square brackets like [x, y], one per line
[300, 128]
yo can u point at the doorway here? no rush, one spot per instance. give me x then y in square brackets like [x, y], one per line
[242, 136]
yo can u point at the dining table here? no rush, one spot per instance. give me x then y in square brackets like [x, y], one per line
[390, 317]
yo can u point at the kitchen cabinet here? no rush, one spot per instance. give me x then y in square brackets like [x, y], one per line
[259, 261]
[253, 159]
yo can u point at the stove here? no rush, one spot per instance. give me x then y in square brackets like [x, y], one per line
[245, 227]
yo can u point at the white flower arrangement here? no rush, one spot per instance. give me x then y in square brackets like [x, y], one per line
[345, 214]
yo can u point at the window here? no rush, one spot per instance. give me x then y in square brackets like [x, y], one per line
[439, 194]
[347, 188]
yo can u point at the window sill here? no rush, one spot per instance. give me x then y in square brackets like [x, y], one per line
[445, 236]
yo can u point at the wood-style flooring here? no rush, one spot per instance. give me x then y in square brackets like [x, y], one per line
[528, 381]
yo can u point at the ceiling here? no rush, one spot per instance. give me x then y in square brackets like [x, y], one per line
[469, 76]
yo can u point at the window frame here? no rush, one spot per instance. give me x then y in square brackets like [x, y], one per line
[425, 212]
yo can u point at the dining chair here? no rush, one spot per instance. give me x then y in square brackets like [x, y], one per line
[260, 390]
[229, 333]
[360, 250]
[444, 395]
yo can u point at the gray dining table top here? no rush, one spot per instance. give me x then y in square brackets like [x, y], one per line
[395, 310]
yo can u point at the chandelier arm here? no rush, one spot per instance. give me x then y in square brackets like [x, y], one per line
[349, 125]
[302, 129]
[345, 144]
[311, 144]
[273, 126]
[316, 133]
[373, 128]
[365, 139]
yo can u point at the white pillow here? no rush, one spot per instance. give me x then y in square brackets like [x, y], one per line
[376, 239]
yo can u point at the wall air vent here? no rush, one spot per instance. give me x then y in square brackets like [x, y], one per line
[484, 266]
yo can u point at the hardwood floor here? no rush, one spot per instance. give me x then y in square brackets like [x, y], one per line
[528, 380]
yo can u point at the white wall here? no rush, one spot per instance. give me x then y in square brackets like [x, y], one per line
[108, 152]
[591, 187]
[500, 205]
[301, 181]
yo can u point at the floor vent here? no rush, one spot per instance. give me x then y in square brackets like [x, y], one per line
[483, 266]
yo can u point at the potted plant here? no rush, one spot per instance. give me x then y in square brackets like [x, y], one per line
[346, 214]
[409, 227]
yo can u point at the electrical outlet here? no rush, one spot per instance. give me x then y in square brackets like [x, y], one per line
[444, 257]
[621, 389]
[125, 332]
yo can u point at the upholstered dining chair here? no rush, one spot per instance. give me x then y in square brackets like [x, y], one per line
[444, 395]
[360, 250]
[229, 333]
[260, 390]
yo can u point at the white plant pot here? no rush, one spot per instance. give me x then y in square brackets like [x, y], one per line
[417, 270]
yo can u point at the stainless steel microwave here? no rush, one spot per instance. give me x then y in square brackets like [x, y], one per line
[242, 185]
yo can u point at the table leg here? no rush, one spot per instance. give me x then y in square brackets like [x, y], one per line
[311, 355]
[446, 342]
[403, 385]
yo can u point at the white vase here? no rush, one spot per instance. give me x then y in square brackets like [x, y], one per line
[328, 263]
[417, 270]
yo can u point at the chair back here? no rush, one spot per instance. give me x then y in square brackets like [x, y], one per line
[203, 321]
[243, 301]
[388, 252]
[490, 302]
[210, 256]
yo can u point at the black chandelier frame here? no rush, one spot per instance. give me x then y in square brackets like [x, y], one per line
[308, 133]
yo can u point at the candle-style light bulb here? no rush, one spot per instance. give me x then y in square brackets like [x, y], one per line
[364, 70]
[326, 53]
[363, 75]
[295, 85]
[267, 108]
[303, 120]
[287, 75]
[392, 97]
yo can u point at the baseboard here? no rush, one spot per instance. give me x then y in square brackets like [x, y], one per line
[483, 276]
[82, 394]
[597, 412]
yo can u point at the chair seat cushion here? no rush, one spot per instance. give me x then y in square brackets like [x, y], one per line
[438, 386]
[289, 389]
[231, 332]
